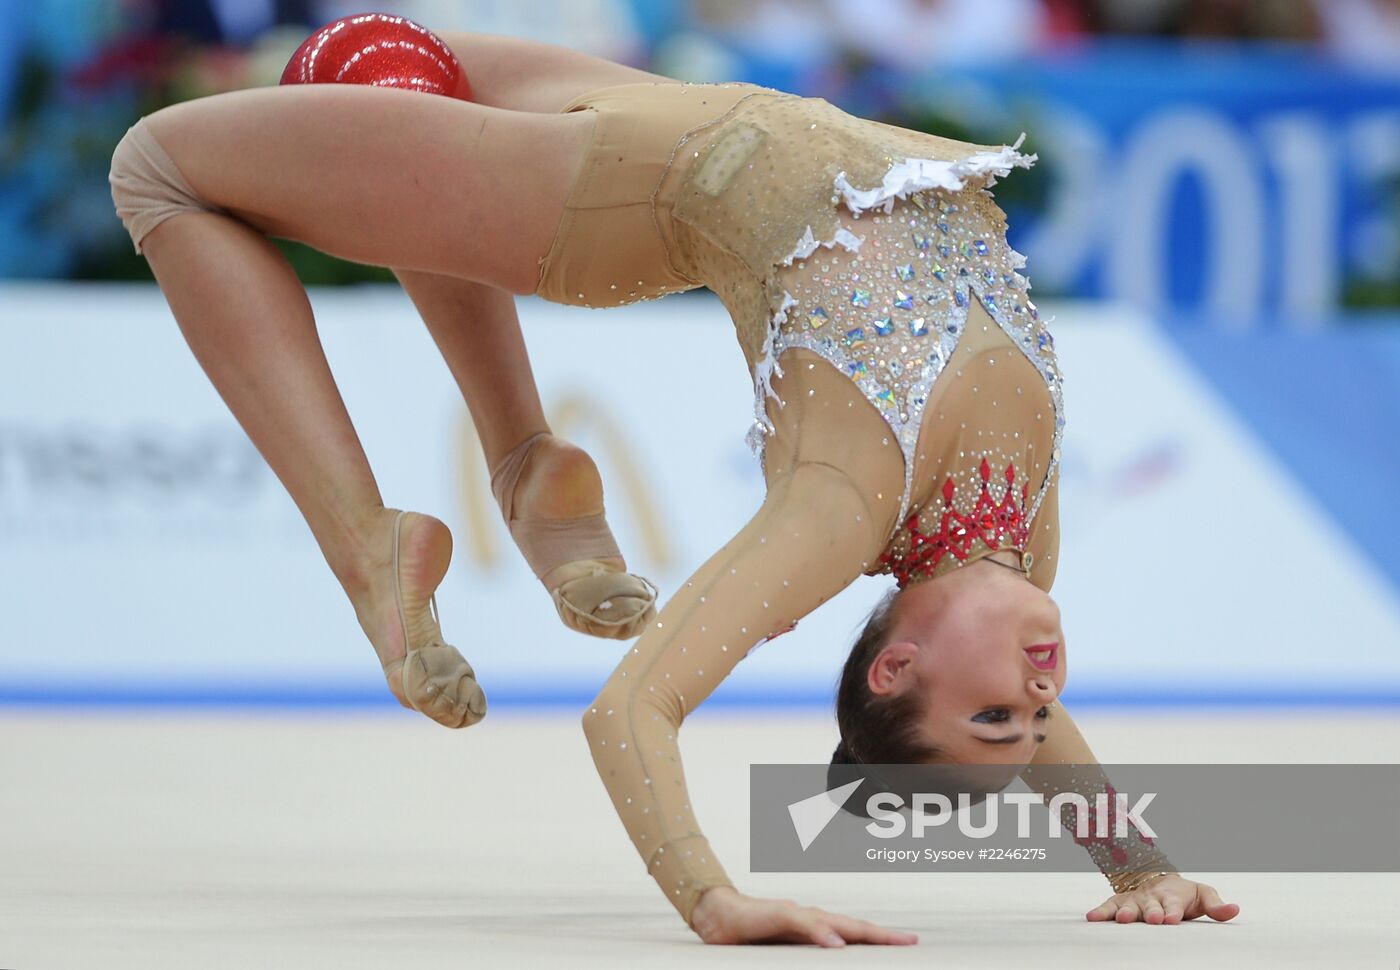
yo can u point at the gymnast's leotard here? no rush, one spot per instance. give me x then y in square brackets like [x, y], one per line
[908, 406]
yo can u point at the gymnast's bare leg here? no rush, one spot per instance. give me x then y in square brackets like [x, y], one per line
[476, 327]
[477, 331]
[424, 184]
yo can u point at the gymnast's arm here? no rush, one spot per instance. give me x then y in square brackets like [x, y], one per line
[1145, 883]
[1064, 761]
[808, 541]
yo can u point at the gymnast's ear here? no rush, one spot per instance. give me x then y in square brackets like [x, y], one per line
[891, 668]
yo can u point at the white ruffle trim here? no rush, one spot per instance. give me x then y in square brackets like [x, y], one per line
[809, 244]
[922, 174]
[767, 367]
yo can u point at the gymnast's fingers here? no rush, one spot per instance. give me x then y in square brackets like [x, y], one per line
[1103, 912]
[1128, 912]
[1172, 908]
[1152, 911]
[861, 931]
[1213, 906]
[817, 929]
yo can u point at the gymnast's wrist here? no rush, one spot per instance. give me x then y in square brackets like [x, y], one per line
[707, 913]
[1126, 882]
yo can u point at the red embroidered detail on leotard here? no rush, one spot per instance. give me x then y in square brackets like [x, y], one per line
[996, 524]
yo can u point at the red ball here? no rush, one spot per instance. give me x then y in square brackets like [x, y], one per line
[381, 50]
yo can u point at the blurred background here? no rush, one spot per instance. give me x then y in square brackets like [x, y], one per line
[1214, 222]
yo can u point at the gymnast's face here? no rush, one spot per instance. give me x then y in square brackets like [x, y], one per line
[985, 647]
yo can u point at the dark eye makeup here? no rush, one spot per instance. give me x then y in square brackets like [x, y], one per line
[1000, 715]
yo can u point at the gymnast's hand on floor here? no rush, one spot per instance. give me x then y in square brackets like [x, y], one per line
[1166, 899]
[725, 915]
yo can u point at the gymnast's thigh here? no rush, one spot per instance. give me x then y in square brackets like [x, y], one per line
[383, 176]
[526, 75]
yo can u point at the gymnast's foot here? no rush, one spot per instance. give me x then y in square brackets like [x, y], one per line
[552, 498]
[408, 558]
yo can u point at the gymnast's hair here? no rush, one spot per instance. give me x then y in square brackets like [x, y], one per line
[877, 730]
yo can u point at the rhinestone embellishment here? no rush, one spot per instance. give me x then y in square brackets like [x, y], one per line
[896, 355]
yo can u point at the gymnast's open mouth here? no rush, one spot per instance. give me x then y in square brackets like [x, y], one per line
[1043, 656]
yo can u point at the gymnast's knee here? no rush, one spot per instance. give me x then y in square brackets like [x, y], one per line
[599, 720]
[147, 186]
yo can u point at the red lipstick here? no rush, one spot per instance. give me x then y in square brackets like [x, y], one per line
[1043, 656]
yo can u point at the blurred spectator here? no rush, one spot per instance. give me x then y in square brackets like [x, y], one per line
[918, 34]
[1363, 30]
[789, 31]
[1130, 16]
[607, 28]
[1068, 18]
[231, 22]
[903, 34]
[1293, 20]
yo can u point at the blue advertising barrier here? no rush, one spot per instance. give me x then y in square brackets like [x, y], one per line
[1245, 183]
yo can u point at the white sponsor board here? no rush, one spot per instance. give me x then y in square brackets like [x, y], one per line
[144, 545]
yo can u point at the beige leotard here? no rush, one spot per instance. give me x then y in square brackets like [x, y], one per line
[908, 404]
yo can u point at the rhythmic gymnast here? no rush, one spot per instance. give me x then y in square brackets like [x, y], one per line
[908, 405]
